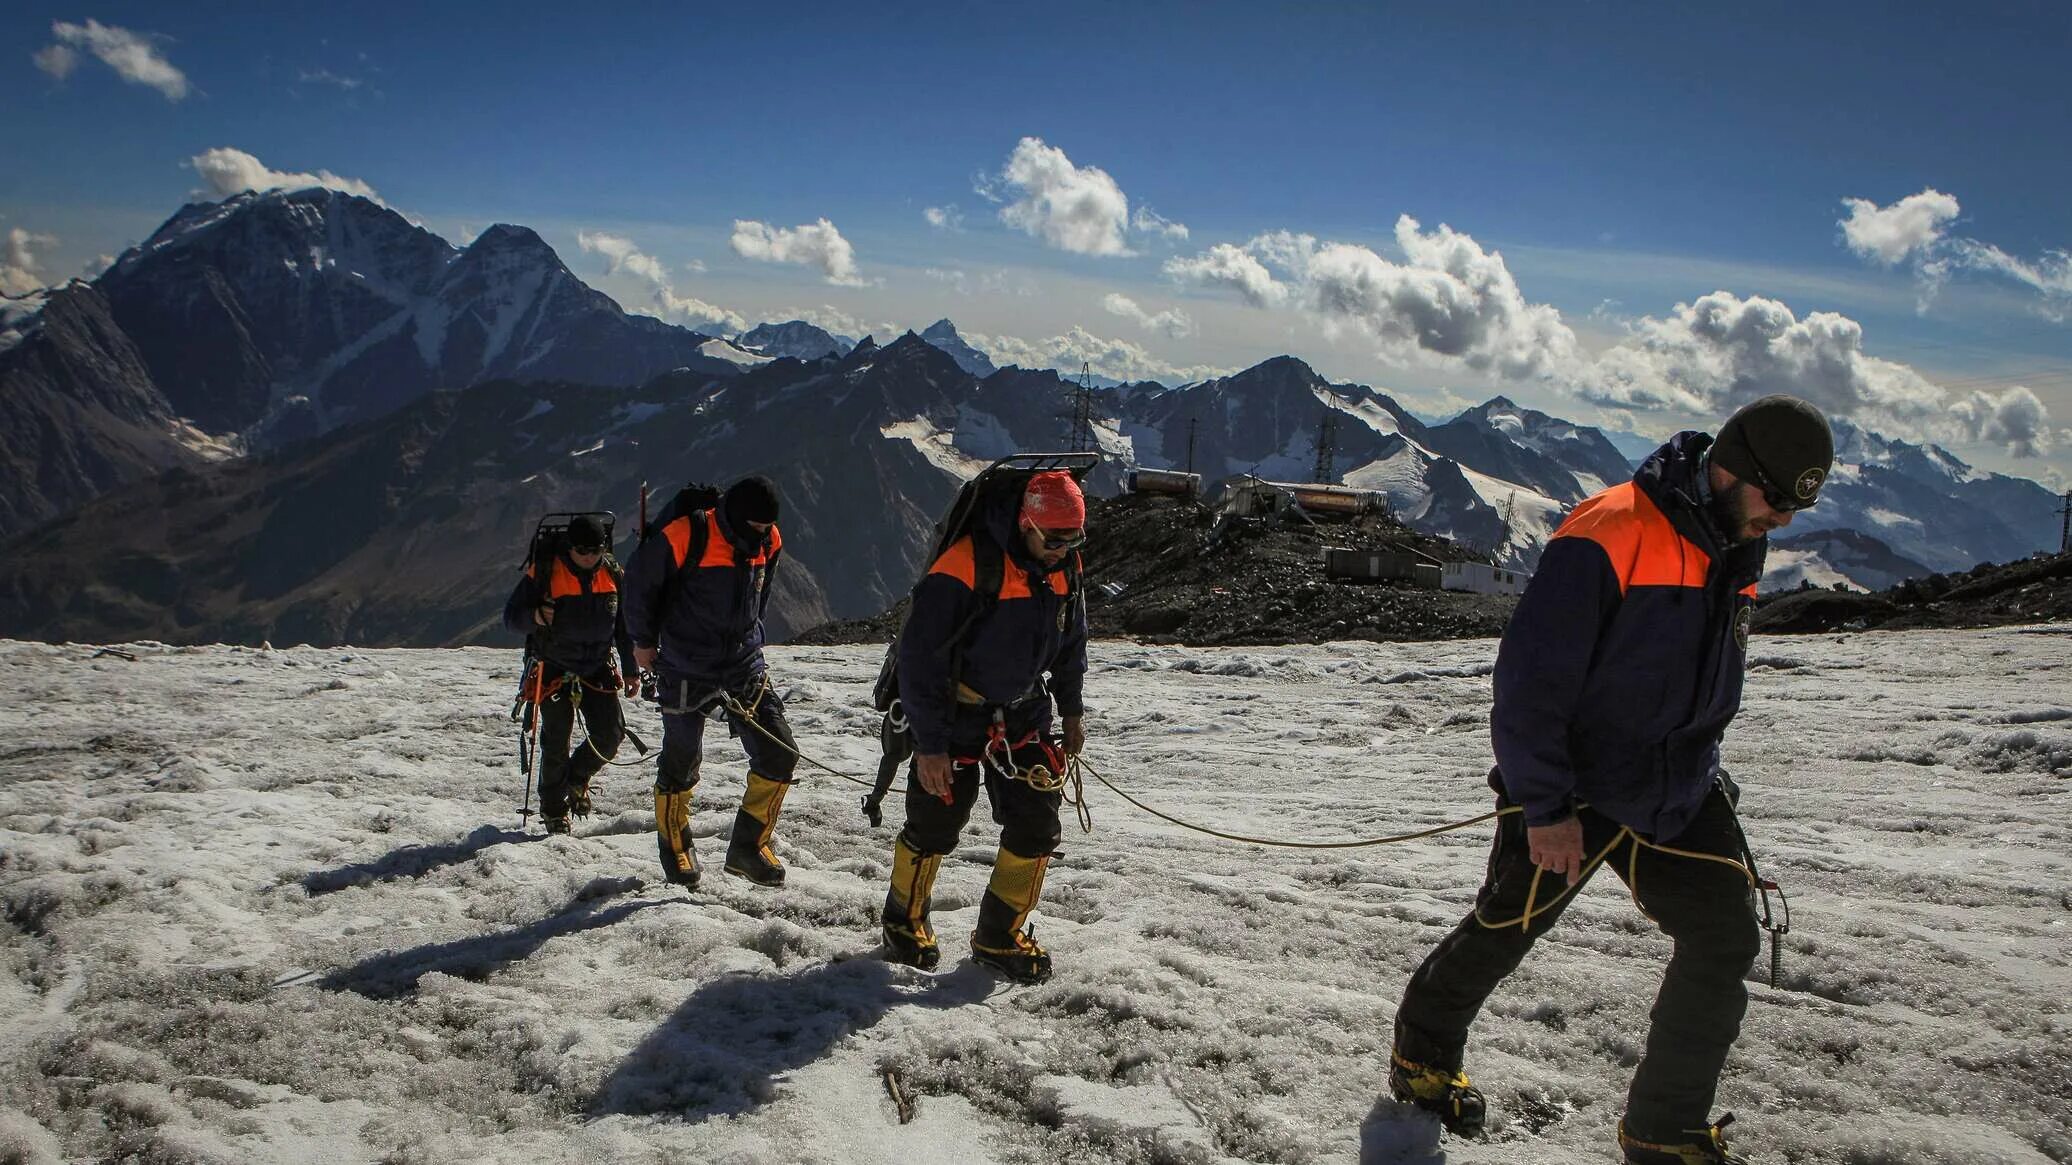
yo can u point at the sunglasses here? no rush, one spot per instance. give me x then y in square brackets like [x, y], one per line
[1773, 497]
[1070, 541]
[586, 550]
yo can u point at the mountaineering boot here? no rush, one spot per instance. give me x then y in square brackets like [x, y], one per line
[673, 838]
[579, 799]
[1000, 942]
[1447, 1095]
[748, 851]
[1706, 1146]
[908, 937]
[558, 823]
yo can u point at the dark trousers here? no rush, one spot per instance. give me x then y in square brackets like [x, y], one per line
[684, 704]
[1028, 819]
[606, 726]
[1702, 905]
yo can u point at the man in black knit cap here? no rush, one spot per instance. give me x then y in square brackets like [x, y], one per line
[695, 597]
[1615, 681]
[569, 607]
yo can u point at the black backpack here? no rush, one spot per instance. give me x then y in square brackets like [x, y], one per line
[1009, 476]
[692, 498]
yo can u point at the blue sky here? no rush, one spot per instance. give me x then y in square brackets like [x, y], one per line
[1598, 166]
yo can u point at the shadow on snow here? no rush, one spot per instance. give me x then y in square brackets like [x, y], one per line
[729, 1046]
[411, 861]
[396, 973]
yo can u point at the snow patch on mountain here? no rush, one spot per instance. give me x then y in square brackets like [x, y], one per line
[734, 354]
[940, 448]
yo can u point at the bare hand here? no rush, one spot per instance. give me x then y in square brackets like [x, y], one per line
[1558, 848]
[644, 657]
[632, 684]
[933, 771]
[543, 615]
[1075, 736]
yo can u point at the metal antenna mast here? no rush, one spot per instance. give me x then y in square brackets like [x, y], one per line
[1327, 446]
[1083, 410]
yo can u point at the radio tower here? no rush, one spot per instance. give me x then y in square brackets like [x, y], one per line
[1327, 446]
[2065, 529]
[1083, 410]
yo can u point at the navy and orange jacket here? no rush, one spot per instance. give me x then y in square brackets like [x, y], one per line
[705, 615]
[586, 623]
[1622, 665]
[1032, 629]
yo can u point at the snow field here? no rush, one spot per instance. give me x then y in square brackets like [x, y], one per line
[273, 906]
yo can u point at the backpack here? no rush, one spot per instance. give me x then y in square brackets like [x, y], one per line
[692, 498]
[549, 541]
[1009, 475]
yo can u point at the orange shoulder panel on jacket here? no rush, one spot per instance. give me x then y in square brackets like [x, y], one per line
[679, 534]
[1638, 539]
[958, 562]
[776, 539]
[602, 582]
[563, 582]
[718, 551]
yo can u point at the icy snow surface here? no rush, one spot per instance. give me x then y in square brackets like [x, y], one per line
[272, 906]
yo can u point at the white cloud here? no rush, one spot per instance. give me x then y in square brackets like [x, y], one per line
[694, 266]
[133, 57]
[944, 218]
[1172, 322]
[694, 313]
[1151, 222]
[1071, 208]
[836, 322]
[19, 270]
[955, 278]
[1915, 228]
[621, 254]
[228, 171]
[1888, 234]
[327, 77]
[1451, 300]
[816, 244]
[58, 60]
[94, 266]
[1232, 268]
[1716, 354]
[2014, 418]
[1115, 359]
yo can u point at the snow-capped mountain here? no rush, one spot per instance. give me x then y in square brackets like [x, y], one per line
[1825, 558]
[269, 317]
[796, 339]
[943, 334]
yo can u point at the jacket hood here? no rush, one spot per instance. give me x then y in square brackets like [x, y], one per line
[1669, 476]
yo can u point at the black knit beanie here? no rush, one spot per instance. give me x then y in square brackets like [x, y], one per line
[585, 532]
[1779, 443]
[752, 499]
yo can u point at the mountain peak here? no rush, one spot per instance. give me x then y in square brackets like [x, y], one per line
[941, 329]
[943, 334]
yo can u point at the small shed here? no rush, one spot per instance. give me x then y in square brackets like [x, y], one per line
[1482, 578]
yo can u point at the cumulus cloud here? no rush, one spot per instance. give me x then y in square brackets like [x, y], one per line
[1151, 222]
[816, 244]
[133, 56]
[623, 254]
[19, 271]
[1114, 359]
[1172, 322]
[944, 218]
[1449, 301]
[1916, 228]
[1719, 352]
[620, 254]
[1888, 234]
[1072, 208]
[1230, 268]
[695, 313]
[228, 171]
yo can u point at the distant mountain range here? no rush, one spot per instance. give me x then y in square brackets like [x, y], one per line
[299, 417]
